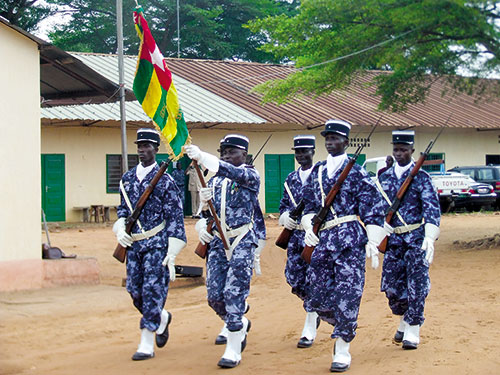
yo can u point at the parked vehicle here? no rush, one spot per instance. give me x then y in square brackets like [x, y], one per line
[449, 185]
[487, 174]
[479, 196]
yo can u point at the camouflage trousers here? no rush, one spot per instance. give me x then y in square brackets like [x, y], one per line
[336, 279]
[296, 267]
[147, 284]
[405, 280]
[228, 281]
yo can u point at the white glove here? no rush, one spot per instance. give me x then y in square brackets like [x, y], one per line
[388, 228]
[203, 235]
[310, 238]
[375, 236]
[431, 235]
[209, 161]
[256, 259]
[174, 248]
[286, 221]
[123, 238]
[206, 193]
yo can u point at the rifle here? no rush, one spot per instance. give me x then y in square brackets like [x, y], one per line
[391, 211]
[201, 249]
[321, 215]
[284, 237]
[120, 251]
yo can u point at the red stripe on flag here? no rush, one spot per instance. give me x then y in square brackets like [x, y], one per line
[148, 47]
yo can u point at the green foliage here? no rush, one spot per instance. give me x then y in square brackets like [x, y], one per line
[426, 40]
[208, 28]
[26, 14]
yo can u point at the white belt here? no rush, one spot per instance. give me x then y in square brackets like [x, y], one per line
[340, 220]
[148, 233]
[299, 227]
[239, 233]
[407, 228]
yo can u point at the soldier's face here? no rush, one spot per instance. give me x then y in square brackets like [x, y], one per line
[402, 153]
[304, 156]
[147, 152]
[335, 143]
[233, 155]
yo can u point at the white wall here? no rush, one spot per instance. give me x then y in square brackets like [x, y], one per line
[20, 231]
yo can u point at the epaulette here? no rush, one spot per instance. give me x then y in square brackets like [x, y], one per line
[249, 166]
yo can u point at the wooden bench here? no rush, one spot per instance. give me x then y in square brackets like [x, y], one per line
[85, 212]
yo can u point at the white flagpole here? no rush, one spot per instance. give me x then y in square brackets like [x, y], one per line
[123, 121]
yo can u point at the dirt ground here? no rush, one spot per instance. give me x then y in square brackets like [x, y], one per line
[95, 329]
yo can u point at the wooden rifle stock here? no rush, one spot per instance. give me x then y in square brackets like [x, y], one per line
[321, 215]
[406, 184]
[284, 237]
[120, 252]
[201, 249]
[211, 207]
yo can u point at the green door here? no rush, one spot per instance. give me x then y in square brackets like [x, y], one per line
[278, 167]
[53, 187]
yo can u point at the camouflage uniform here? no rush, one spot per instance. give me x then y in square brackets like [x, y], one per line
[405, 273]
[147, 279]
[179, 178]
[336, 274]
[228, 281]
[296, 267]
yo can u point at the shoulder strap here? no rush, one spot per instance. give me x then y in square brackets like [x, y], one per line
[290, 194]
[129, 204]
[379, 187]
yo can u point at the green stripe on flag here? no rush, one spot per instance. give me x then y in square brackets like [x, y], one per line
[161, 114]
[181, 136]
[142, 79]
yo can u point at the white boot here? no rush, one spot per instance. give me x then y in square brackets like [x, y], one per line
[398, 336]
[162, 334]
[236, 342]
[145, 350]
[309, 331]
[341, 356]
[222, 337]
[411, 337]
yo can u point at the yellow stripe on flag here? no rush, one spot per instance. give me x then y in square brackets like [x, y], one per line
[153, 96]
[170, 130]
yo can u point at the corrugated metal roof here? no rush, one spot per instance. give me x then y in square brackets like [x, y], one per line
[199, 105]
[358, 104]
[66, 80]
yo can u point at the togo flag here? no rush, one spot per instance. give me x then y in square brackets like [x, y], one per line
[155, 90]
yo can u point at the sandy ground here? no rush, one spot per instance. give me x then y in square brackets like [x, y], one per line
[94, 329]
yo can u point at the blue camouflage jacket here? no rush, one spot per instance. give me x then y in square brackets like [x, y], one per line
[295, 184]
[419, 202]
[163, 204]
[357, 196]
[241, 194]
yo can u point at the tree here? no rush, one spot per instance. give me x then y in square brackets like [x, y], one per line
[26, 14]
[208, 28]
[419, 41]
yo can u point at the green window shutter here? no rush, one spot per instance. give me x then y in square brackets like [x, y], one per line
[114, 170]
[435, 167]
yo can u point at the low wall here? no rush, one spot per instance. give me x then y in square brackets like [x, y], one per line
[44, 273]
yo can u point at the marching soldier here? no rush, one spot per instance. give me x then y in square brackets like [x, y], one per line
[156, 239]
[234, 191]
[296, 267]
[259, 226]
[410, 248]
[336, 274]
